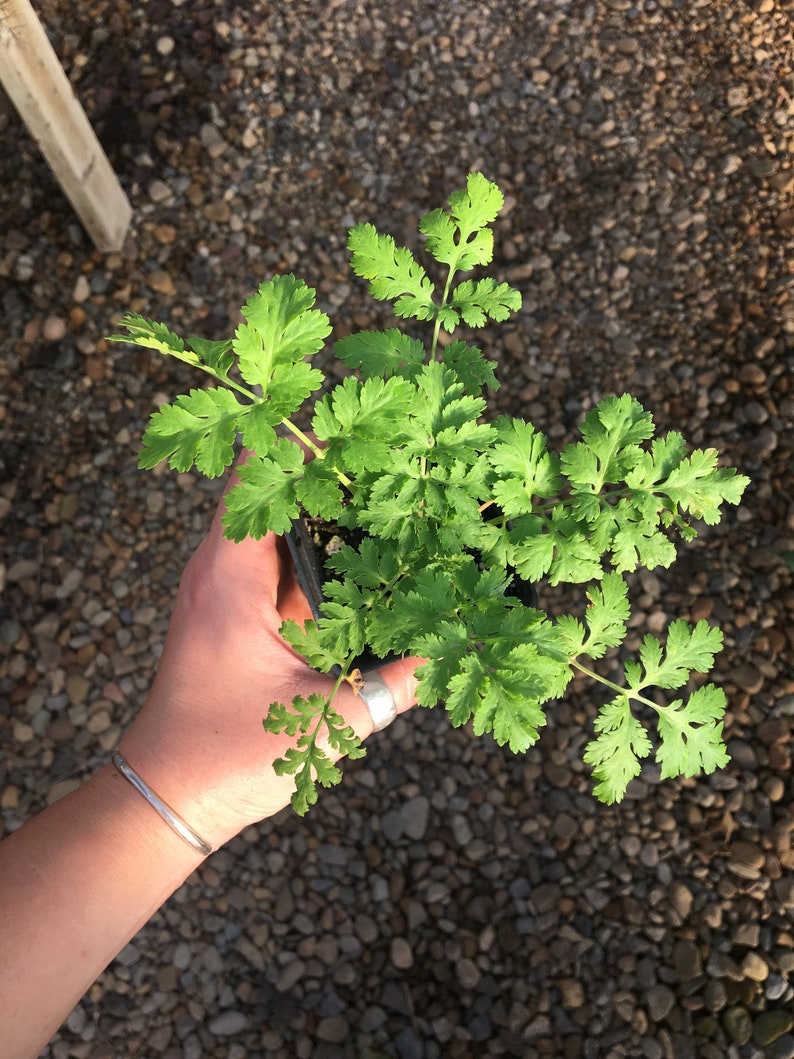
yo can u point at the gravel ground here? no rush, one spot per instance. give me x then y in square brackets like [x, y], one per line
[448, 899]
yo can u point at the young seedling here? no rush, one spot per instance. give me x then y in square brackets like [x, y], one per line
[448, 509]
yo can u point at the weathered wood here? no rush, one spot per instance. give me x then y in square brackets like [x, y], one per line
[40, 90]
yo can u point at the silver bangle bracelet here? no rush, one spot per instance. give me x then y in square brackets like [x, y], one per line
[174, 821]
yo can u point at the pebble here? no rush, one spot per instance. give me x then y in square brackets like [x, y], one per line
[449, 898]
[659, 999]
[769, 1026]
[228, 1024]
[54, 328]
[401, 954]
[738, 1025]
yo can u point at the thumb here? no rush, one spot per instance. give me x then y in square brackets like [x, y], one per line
[401, 682]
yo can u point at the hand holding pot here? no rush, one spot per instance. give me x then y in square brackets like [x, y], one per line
[198, 741]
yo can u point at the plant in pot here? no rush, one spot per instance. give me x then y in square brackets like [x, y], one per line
[442, 517]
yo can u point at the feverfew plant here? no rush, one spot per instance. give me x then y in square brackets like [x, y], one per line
[447, 510]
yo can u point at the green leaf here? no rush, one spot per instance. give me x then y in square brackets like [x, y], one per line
[393, 272]
[142, 331]
[319, 491]
[698, 486]
[198, 428]
[288, 327]
[606, 616]
[523, 466]
[616, 753]
[307, 762]
[470, 366]
[460, 237]
[308, 641]
[216, 355]
[480, 300]
[691, 734]
[612, 433]
[265, 498]
[688, 648]
[361, 421]
[281, 329]
[640, 544]
[381, 354]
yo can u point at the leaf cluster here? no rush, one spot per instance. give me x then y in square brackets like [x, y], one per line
[449, 510]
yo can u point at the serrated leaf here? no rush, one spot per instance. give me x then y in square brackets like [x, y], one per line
[460, 237]
[510, 705]
[691, 734]
[612, 433]
[393, 272]
[310, 645]
[265, 498]
[319, 491]
[256, 425]
[198, 429]
[524, 467]
[470, 366]
[606, 616]
[480, 300]
[281, 329]
[141, 331]
[616, 752]
[639, 543]
[217, 356]
[688, 648]
[381, 354]
[306, 761]
[698, 486]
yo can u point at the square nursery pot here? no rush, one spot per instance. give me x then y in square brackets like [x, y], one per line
[306, 549]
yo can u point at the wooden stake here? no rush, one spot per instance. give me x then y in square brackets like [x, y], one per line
[40, 90]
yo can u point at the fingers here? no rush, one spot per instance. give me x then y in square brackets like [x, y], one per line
[400, 680]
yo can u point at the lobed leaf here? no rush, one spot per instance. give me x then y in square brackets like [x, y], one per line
[392, 271]
[198, 428]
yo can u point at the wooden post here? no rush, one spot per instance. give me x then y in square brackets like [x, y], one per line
[40, 90]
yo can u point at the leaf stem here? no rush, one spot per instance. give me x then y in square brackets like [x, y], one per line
[629, 693]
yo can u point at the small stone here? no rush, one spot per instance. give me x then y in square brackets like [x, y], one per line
[738, 1025]
[715, 995]
[165, 45]
[680, 901]
[366, 928]
[769, 1025]
[82, 289]
[415, 814]
[468, 973]
[688, 963]
[659, 1001]
[408, 1044]
[401, 954]
[571, 992]
[228, 1023]
[290, 976]
[782, 1048]
[160, 281]
[159, 191]
[333, 1029]
[212, 140]
[53, 329]
[755, 967]
[218, 211]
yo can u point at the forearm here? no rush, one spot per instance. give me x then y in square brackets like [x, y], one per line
[78, 882]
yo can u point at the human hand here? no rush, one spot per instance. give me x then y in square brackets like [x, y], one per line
[198, 741]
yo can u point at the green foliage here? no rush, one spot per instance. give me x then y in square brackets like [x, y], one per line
[449, 508]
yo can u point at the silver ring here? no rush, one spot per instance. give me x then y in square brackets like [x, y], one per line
[380, 701]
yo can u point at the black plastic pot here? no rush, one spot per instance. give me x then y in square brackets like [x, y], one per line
[309, 575]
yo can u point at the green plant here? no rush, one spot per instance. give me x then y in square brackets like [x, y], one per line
[450, 508]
